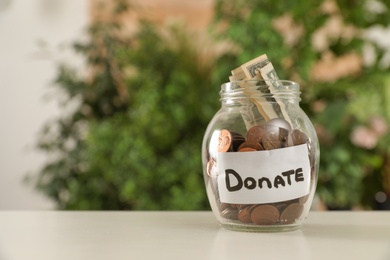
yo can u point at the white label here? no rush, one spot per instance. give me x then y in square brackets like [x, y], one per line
[263, 176]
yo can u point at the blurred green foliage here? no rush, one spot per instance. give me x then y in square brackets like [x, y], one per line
[133, 141]
[350, 173]
[133, 138]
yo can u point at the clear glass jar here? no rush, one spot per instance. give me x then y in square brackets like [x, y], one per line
[260, 156]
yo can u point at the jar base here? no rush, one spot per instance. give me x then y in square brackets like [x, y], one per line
[261, 228]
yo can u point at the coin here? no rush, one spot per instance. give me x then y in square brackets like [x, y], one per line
[249, 144]
[275, 135]
[291, 213]
[271, 139]
[224, 141]
[255, 134]
[247, 149]
[265, 215]
[296, 137]
[244, 215]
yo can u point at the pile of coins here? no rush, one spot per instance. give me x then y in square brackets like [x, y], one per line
[285, 212]
[276, 133]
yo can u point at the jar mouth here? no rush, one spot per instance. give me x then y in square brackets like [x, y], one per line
[280, 89]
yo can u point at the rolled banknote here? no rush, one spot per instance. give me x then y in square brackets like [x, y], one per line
[262, 69]
[268, 73]
[253, 67]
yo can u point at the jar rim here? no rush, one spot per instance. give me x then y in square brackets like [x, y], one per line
[269, 89]
[274, 86]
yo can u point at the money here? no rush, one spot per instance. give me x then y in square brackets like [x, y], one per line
[252, 113]
[253, 67]
[224, 141]
[237, 71]
[238, 75]
[261, 68]
[268, 73]
[233, 78]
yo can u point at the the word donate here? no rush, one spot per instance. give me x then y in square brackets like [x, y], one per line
[264, 176]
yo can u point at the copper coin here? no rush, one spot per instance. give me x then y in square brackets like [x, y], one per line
[291, 213]
[255, 134]
[224, 141]
[296, 137]
[265, 215]
[247, 149]
[252, 145]
[244, 215]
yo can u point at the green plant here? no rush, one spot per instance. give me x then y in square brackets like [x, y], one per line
[320, 44]
[133, 141]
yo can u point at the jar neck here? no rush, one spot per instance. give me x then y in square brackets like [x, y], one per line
[237, 92]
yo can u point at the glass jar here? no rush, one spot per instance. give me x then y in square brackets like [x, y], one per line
[260, 156]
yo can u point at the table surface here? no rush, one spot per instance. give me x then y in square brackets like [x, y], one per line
[186, 235]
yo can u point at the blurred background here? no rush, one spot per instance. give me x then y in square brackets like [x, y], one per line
[104, 103]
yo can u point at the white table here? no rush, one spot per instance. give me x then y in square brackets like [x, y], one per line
[57, 235]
